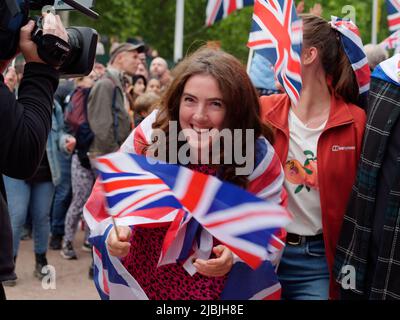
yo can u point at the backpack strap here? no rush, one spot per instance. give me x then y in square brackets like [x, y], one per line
[85, 101]
[115, 115]
[114, 109]
[67, 100]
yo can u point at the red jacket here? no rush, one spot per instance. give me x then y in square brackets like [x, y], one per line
[338, 150]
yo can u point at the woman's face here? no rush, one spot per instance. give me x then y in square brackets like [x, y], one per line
[201, 109]
[139, 87]
[154, 86]
[141, 70]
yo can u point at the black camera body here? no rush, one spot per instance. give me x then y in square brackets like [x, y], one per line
[73, 58]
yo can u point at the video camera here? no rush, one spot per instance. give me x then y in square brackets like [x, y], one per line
[73, 58]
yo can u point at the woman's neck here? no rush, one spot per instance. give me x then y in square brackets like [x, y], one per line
[315, 102]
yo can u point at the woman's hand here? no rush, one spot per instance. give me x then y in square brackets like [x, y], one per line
[217, 267]
[119, 247]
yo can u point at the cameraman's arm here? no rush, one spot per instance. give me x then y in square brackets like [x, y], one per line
[25, 123]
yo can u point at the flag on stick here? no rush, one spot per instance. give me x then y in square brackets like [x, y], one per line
[277, 34]
[393, 9]
[198, 208]
[220, 9]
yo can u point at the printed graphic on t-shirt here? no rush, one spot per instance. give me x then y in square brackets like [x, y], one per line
[305, 176]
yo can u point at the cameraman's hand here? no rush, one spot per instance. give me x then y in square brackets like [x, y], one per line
[26, 45]
[51, 25]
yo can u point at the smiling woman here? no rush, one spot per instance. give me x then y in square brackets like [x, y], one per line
[210, 92]
[201, 110]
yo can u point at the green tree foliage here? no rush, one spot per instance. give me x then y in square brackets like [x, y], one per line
[232, 33]
[117, 18]
[154, 22]
[363, 15]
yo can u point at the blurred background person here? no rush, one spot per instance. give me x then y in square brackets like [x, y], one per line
[262, 75]
[375, 55]
[144, 105]
[11, 79]
[159, 70]
[108, 116]
[82, 175]
[99, 69]
[136, 89]
[142, 70]
[154, 85]
[63, 192]
[138, 86]
[36, 194]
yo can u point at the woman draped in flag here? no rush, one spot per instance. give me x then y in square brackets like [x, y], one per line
[210, 90]
[319, 144]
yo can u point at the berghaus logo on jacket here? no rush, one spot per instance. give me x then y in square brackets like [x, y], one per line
[336, 148]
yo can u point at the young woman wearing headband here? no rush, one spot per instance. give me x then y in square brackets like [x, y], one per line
[319, 144]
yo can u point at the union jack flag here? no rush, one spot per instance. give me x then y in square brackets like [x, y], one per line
[220, 9]
[392, 42]
[353, 46]
[191, 204]
[389, 70]
[277, 34]
[393, 9]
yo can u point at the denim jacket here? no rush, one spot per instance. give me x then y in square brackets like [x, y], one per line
[56, 143]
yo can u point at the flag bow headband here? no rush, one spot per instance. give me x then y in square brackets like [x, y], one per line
[354, 49]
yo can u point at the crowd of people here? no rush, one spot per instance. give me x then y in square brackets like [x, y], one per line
[332, 161]
[48, 206]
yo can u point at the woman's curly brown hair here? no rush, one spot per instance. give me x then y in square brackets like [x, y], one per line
[239, 97]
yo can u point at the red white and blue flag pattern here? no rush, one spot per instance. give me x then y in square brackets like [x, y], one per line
[392, 42]
[277, 34]
[393, 9]
[354, 48]
[389, 70]
[191, 203]
[220, 9]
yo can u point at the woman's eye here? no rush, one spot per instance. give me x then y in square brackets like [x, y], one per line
[216, 104]
[189, 99]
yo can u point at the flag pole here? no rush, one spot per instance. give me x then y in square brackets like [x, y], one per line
[375, 8]
[115, 227]
[250, 60]
[179, 23]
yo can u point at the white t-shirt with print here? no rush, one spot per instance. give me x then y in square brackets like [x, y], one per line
[301, 178]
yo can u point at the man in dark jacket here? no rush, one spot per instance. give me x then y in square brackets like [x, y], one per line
[24, 126]
[367, 264]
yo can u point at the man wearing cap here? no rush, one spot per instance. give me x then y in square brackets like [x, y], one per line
[107, 116]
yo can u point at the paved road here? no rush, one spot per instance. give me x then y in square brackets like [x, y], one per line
[72, 282]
